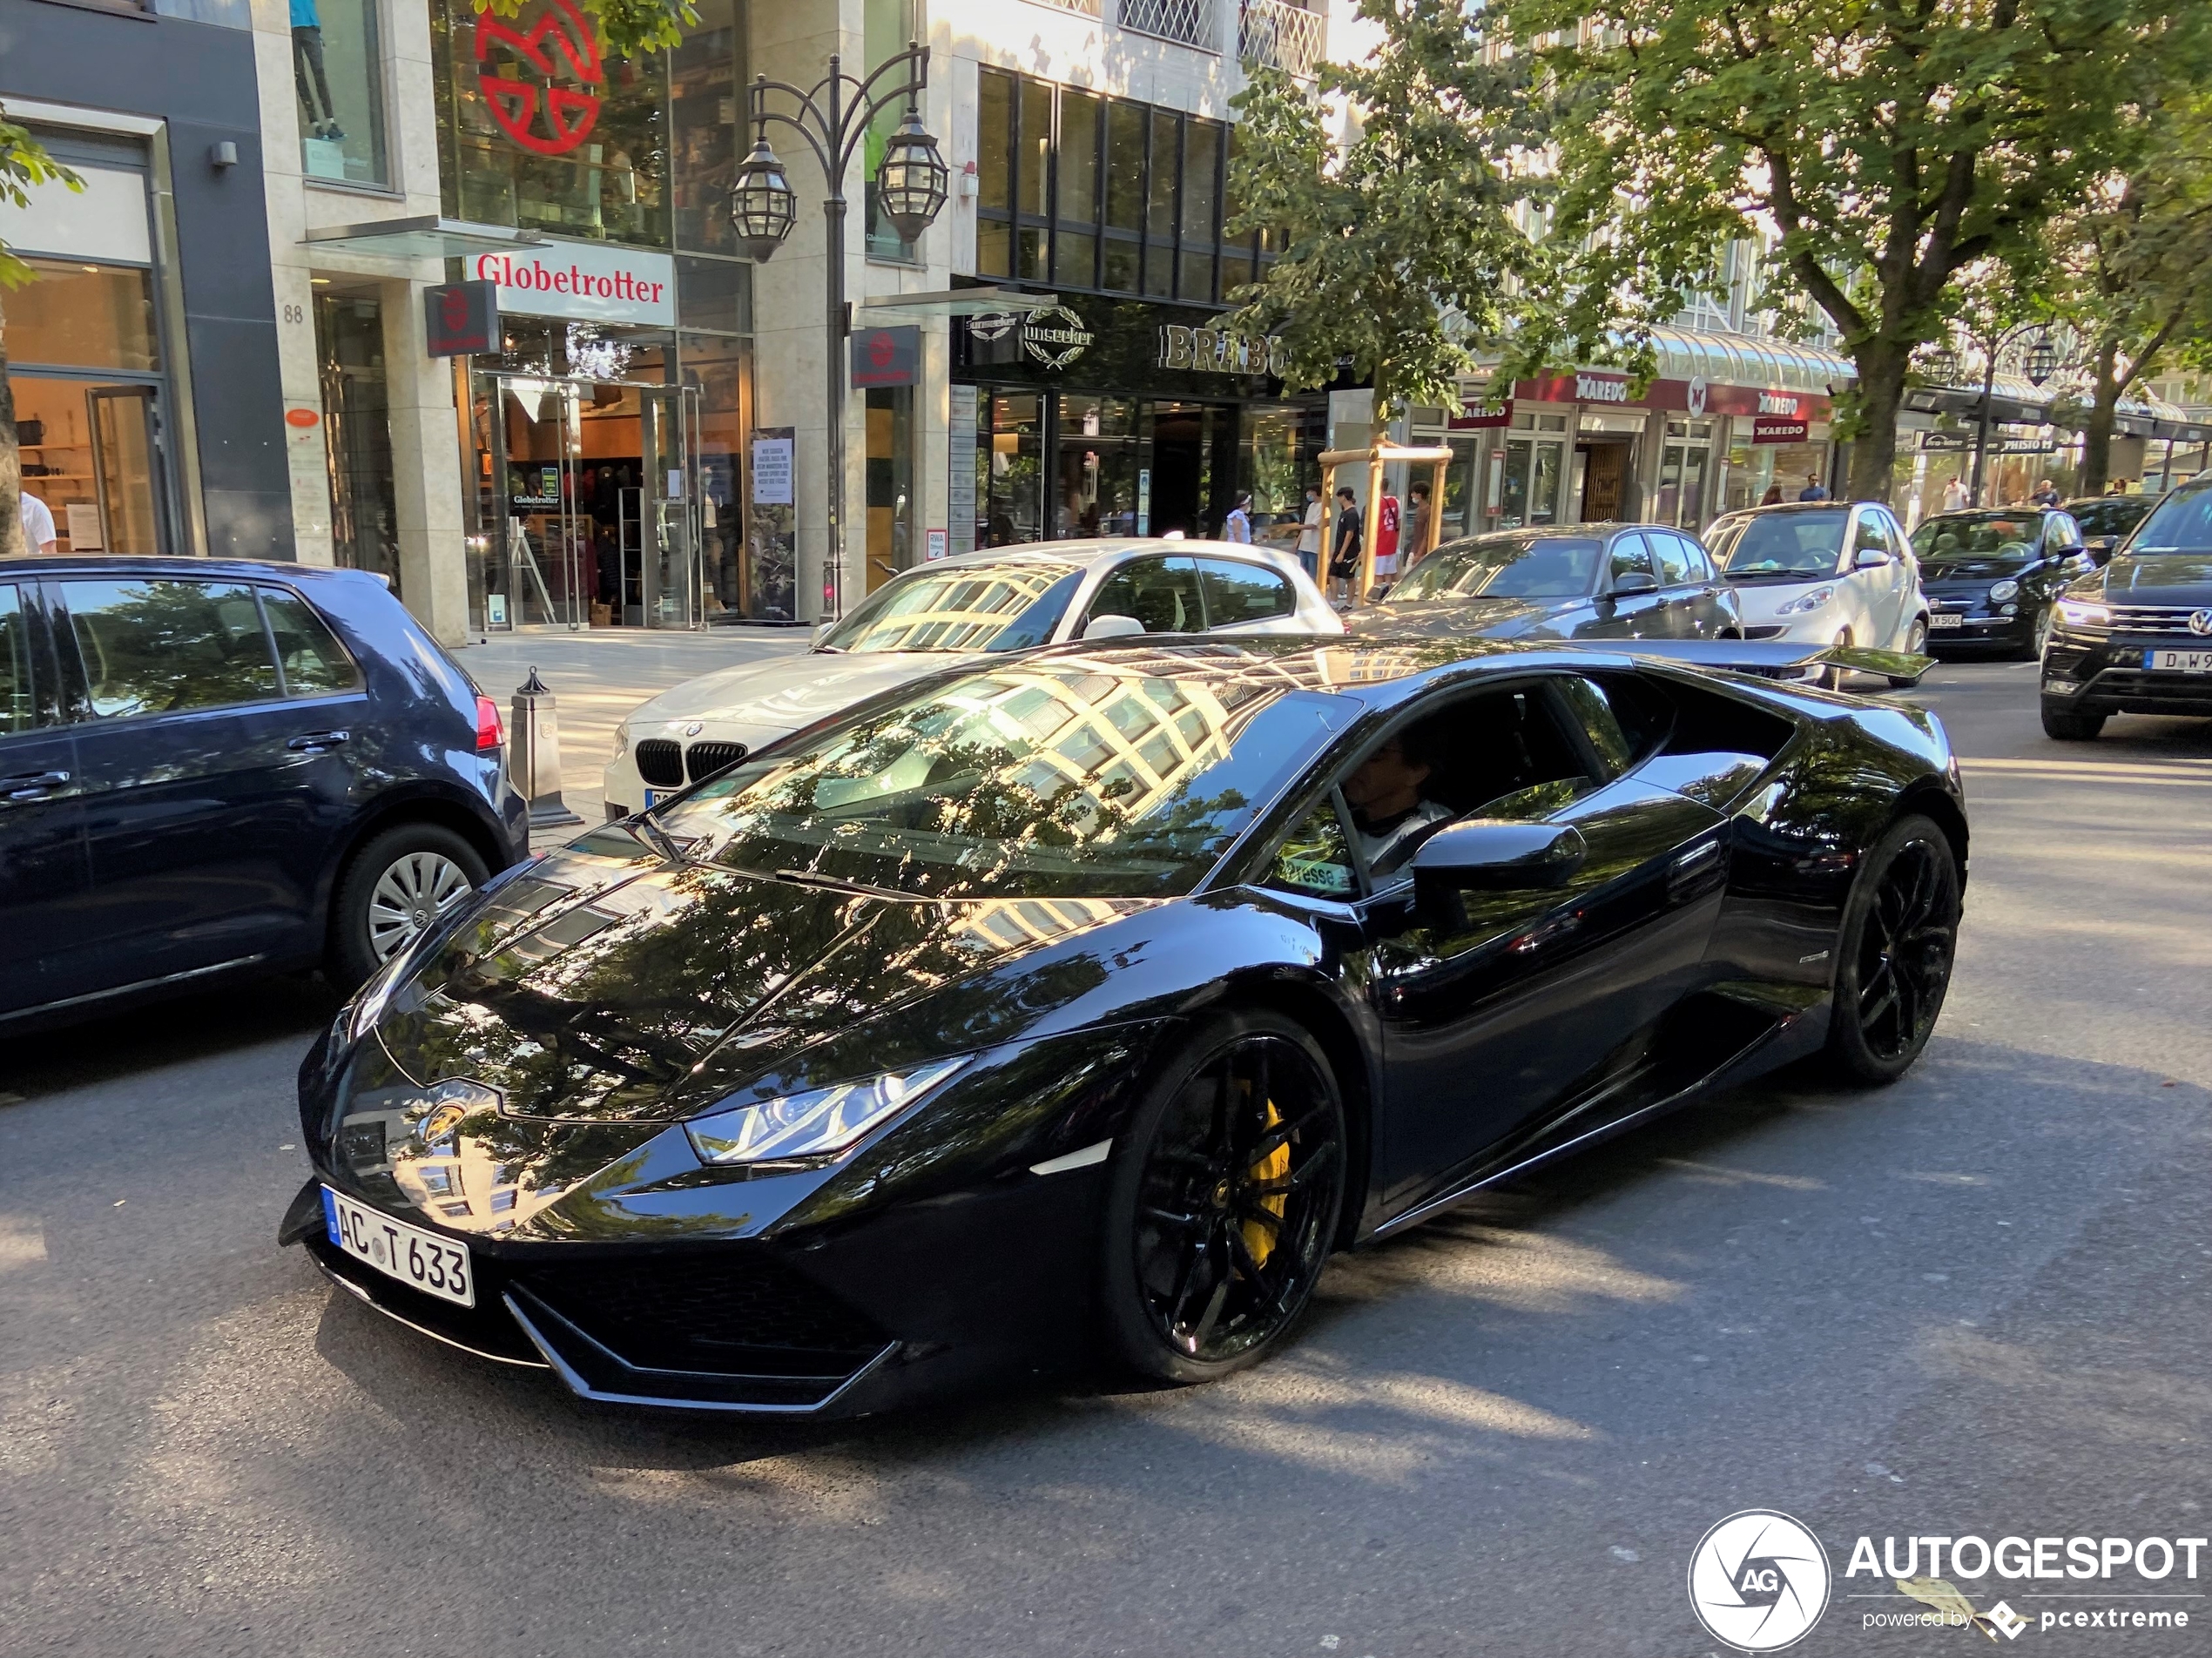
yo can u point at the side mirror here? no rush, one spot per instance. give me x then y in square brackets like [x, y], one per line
[1635, 580]
[821, 632]
[1872, 558]
[1112, 627]
[1489, 855]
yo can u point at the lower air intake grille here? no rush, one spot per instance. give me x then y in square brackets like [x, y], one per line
[703, 760]
[660, 763]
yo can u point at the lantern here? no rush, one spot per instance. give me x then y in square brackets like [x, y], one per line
[2042, 359]
[763, 206]
[910, 185]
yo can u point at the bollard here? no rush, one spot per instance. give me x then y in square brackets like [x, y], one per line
[535, 751]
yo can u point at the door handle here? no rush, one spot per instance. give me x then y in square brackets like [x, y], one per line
[317, 742]
[31, 785]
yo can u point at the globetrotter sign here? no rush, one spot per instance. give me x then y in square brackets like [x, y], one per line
[591, 282]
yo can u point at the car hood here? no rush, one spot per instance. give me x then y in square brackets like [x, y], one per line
[2156, 578]
[633, 990]
[1487, 617]
[1961, 569]
[788, 692]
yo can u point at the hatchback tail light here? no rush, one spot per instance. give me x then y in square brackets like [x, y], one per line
[490, 735]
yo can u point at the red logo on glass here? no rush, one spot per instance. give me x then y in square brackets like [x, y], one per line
[541, 116]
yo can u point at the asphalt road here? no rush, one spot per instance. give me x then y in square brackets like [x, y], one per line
[1976, 1302]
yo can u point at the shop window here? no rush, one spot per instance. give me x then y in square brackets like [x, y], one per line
[1098, 466]
[713, 294]
[1010, 470]
[516, 147]
[338, 74]
[357, 434]
[886, 25]
[890, 483]
[719, 370]
[706, 84]
[91, 451]
[89, 316]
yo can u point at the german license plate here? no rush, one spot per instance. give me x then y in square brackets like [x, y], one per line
[1939, 622]
[2178, 661]
[653, 798]
[419, 1259]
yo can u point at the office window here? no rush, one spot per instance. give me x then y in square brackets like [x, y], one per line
[1201, 207]
[1159, 208]
[994, 141]
[1235, 252]
[1075, 248]
[1033, 178]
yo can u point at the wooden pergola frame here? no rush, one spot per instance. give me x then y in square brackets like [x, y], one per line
[1375, 459]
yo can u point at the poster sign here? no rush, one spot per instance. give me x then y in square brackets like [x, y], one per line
[935, 544]
[772, 466]
[886, 357]
[960, 494]
[460, 319]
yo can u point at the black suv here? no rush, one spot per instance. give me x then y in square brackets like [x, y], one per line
[211, 770]
[2135, 637]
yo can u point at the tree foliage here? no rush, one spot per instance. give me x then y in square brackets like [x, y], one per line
[626, 28]
[1397, 246]
[24, 164]
[1885, 146]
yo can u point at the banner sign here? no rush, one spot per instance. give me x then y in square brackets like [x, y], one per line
[590, 282]
[460, 319]
[1767, 429]
[886, 357]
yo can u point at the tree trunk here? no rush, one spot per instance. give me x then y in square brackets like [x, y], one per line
[1881, 392]
[2096, 437]
[12, 541]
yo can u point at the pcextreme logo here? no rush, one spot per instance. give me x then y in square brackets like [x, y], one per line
[1758, 1581]
[518, 102]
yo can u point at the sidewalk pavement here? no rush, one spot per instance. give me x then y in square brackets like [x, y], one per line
[598, 678]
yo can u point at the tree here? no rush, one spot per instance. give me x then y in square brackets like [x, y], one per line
[1882, 146]
[1398, 247]
[627, 28]
[2137, 263]
[23, 164]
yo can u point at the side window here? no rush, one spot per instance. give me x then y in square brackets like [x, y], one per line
[1161, 593]
[1870, 535]
[1317, 859]
[1630, 556]
[1674, 558]
[154, 647]
[313, 661]
[18, 694]
[1593, 713]
[2064, 534]
[1238, 592]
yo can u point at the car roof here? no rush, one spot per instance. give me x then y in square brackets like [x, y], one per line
[1094, 550]
[149, 564]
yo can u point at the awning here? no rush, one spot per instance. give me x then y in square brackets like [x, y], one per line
[1747, 360]
[427, 236]
[956, 302]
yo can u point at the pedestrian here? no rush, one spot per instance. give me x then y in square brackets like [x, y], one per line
[1416, 529]
[1309, 535]
[1388, 514]
[1344, 558]
[2046, 494]
[1812, 491]
[1238, 527]
[37, 526]
[1772, 497]
[1954, 496]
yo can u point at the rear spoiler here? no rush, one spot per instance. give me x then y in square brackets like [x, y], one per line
[1774, 659]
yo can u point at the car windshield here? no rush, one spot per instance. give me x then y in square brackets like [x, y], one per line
[2002, 537]
[2115, 516]
[1072, 777]
[1787, 545]
[2180, 523]
[970, 607]
[1518, 567]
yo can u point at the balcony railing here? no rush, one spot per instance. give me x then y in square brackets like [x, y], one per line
[1281, 34]
[1188, 21]
[1088, 8]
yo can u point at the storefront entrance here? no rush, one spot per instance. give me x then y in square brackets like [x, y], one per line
[595, 480]
[93, 453]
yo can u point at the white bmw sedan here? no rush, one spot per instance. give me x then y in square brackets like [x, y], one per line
[955, 610]
[1827, 572]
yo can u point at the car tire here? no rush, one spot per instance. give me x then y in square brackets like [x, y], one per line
[1916, 644]
[2039, 635]
[1211, 1254]
[416, 861]
[1894, 952]
[2066, 725]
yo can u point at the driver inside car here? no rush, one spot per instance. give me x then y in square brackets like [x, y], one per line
[1389, 810]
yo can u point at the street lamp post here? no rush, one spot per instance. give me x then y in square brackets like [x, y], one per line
[2042, 363]
[833, 117]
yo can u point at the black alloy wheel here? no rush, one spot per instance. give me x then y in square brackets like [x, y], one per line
[1225, 1198]
[2064, 726]
[2039, 634]
[1899, 936]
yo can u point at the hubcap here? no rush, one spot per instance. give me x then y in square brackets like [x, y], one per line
[1236, 1199]
[1904, 951]
[417, 888]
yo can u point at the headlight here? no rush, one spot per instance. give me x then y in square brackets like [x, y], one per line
[1806, 603]
[370, 1000]
[2076, 614]
[622, 741]
[819, 1124]
[2004, 591]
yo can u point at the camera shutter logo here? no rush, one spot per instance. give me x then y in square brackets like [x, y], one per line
[1758, 1581]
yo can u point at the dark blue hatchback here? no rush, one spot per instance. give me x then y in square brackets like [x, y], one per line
[211, 769]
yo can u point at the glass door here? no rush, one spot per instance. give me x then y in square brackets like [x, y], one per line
[126, 446]
[667, 515]
[539, 571]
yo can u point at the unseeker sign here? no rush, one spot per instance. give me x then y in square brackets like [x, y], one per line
[588, 282]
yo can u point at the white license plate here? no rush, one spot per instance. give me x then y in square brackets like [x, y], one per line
[1939, 622]
[419, 1259]
[2178, 661]
[653, 798]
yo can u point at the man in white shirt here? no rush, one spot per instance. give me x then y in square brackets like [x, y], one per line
[1954, 496]
[1309, 536]
[37, 525]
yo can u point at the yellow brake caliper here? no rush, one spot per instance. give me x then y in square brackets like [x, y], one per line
[1259, 1238]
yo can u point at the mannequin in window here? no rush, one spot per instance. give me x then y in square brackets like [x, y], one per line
[307, 65]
